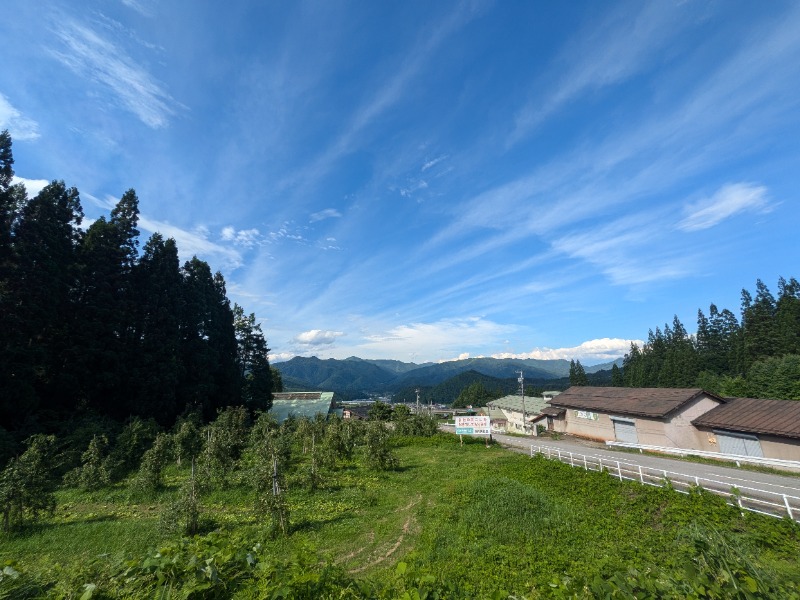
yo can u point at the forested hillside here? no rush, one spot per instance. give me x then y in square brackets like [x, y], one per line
[91, 325]
[756, 355]
[439, 382]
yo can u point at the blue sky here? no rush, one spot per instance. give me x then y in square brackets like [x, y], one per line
[429, 180]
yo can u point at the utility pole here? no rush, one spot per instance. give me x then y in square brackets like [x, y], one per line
[522, 394]
[417, 391]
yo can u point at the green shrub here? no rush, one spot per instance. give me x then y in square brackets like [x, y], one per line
[27, 484]
[131, 444]
[150, 477]
[378, 454]
[183, 514]
[93, 473]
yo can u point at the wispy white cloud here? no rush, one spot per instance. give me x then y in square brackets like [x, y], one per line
[32, 186]
[728, 201]
[116, 27]
[448, 338]
[722, 116]
[413, 187]
[590, 352]
[19, 126]
[194, 242]
[242, 237]
[97, 59]
[191, 242]
[607, 52]
[318, 337]
[145, 8]
[624, 250]
[330, 244]
[432, 163]
[328, 213]
[388, 94]
[287, 231]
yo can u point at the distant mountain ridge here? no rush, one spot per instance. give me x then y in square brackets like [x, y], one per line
[358, 376]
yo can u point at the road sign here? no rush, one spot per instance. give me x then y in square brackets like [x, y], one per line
[473, 426]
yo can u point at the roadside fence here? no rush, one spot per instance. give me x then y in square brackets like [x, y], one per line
[753, 499]
[777, 463]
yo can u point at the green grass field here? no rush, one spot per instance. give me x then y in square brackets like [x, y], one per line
[451, 521]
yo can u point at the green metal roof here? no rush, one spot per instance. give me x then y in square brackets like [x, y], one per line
[492, 412]
[533, 404]
[300, 405]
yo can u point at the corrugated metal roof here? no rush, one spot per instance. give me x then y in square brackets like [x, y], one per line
[643, 402]
[755, 415]
[553, 411]
[495, 414]
[300, 404]
[533, 404]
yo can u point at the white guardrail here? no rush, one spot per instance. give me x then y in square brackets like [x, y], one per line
[737, 458]
[752, 499]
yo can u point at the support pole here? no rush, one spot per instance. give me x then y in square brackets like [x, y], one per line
[788, 507]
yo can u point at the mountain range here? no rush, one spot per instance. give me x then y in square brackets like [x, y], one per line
[358, 377]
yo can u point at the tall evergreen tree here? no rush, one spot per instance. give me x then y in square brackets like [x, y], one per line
[633, 367]
[787, 317]
[209, 378]
[616, 376]
[16, 378]
[102, 327]
[758, 324]
[7, 199]
[681, 365]
[577, 374]
[255, 374]
[717, 338]
[45, 240]
[156, 346]
[654, 353]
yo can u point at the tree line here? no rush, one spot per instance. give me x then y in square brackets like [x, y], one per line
[756, 355]
[91, 325]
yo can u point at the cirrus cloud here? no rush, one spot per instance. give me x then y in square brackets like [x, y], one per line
[328, 213]
[20, 126]
[729, 200]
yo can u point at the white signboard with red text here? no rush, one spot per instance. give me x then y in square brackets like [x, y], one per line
[473, 426]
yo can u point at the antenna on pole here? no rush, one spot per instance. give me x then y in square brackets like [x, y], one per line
[521, 380]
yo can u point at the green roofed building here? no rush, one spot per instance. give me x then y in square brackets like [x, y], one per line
[301, 404]
[511, 407]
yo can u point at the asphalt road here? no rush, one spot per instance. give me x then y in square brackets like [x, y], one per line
[768, 487]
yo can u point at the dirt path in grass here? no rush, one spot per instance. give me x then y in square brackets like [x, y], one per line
[383, 553]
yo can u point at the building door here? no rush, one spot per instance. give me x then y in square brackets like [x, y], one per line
[739, 444]
[625, 431]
